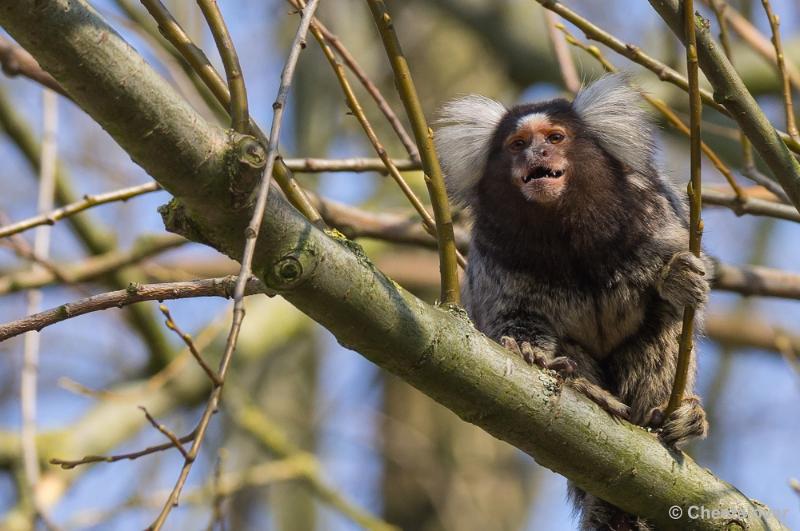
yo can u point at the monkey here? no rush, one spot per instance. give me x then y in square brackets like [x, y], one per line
[578, 257]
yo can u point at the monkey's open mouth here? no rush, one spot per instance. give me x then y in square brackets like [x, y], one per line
[542, 172]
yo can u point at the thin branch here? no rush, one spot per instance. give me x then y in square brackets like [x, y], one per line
[23, 250]
[312, 165]
[752, 36]
[566, 65]
[774, 24]
[175, 34]
[753, 206]
[71, 209]
[355, 107]
[89, 459]
[369, 86]
[92, 268]
[251, 237]
[187, 340]
[176, 442]
[142, 22]
[41, 248]
[752, 173]
[686, 343]
[448, 261]
[209, 287]
[757, 280]
[15, 61]
[240, 115]
[720, 7]
[354, 223]
[731, 90]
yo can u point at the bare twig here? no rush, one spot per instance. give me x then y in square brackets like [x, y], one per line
[752, 173]
[729, 88]
[175, 34]
[87, 202]
[774, 24]
[251, 237]
[353, 165]
[209, 287]
[355, 107]
[369, 86]
[23, 250]
[398, 228]
[240, 115]
[695, 203]
[753, 206]
[89, 459]
[448, 261]
[41, 248]
[91, 268]
[176, 442]
[187, 340]
[566, 65]
[16, 61]
[752, 36]
[720, 8]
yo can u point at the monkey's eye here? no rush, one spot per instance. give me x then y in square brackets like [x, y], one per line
[555, 138]
[517, 145]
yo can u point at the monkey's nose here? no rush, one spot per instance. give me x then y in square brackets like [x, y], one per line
[543, 152]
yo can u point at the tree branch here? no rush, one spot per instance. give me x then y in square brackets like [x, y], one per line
[729, 89]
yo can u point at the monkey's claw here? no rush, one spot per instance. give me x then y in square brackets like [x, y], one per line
[532, 356]
[683, 280]
[684, 424]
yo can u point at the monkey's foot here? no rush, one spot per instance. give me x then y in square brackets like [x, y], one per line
[601, 397]
[684, 424]
[682, 281]
[533, 356]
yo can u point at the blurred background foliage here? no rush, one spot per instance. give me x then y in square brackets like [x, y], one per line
[310, 436]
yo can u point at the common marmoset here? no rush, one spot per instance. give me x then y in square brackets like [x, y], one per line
[578, 258]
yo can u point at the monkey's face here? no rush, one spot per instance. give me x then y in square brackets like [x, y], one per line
[536, 151]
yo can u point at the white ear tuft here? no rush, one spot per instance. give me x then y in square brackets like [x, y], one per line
[463, 137]
[611, 109]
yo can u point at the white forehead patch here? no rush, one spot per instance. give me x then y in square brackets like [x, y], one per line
[532, 121]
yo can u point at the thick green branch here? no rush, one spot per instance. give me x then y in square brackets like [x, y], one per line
[331, 280]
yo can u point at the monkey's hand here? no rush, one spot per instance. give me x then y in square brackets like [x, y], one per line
[682, 281]
[687, 422]
[540, 355]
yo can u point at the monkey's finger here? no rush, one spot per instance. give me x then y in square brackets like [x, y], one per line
[529, 355]
[654, 418]
[563, 365]
[511, 344]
